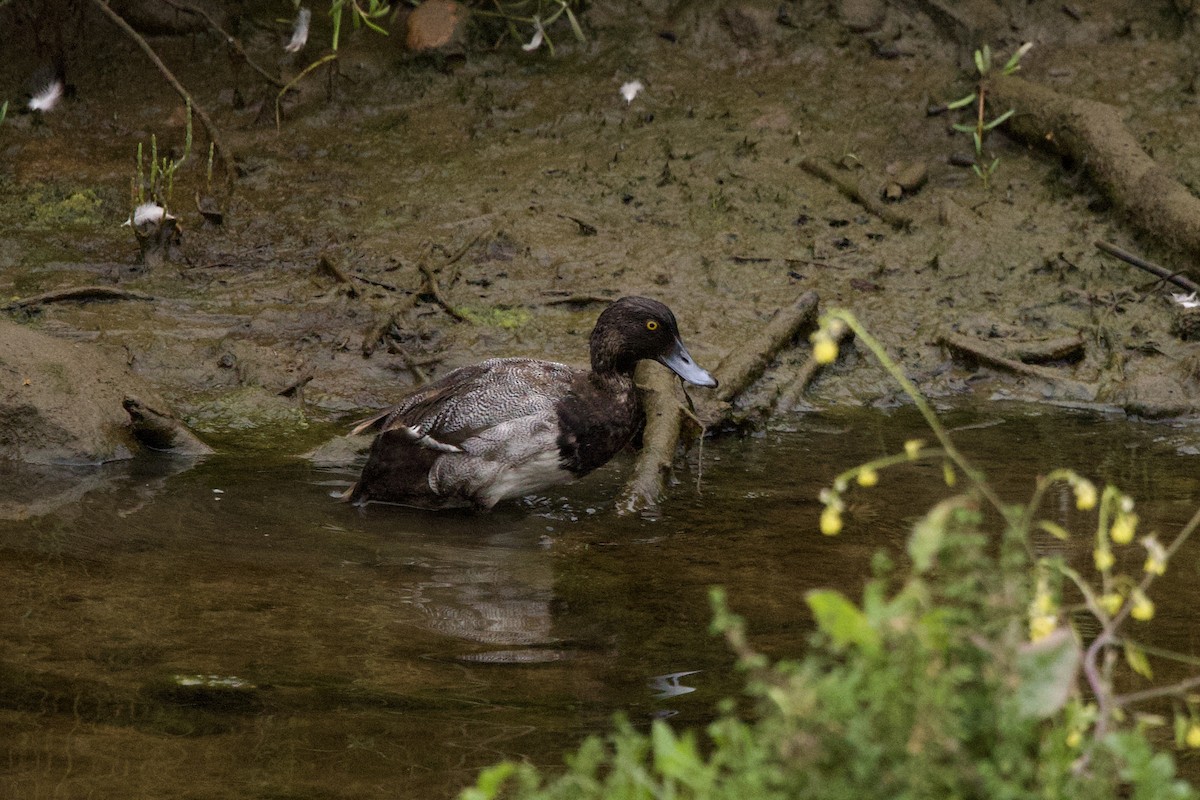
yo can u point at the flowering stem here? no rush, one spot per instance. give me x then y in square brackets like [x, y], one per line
[939, 432]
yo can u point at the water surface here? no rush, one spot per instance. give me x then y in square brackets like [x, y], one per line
[230, 632]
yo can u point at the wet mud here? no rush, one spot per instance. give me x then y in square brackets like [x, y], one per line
[412, 215]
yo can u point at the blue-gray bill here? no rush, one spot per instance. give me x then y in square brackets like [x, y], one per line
[680, 362]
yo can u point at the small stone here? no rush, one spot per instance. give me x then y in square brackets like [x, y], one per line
[861, 16]
[912, 176]
[436, 25]
[893, 191]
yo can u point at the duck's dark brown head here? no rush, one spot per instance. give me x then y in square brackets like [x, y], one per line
[636, 328]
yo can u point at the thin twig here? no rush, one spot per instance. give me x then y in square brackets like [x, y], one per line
[229, 39]
[209, 127]
[1187, 284]
[292, 83]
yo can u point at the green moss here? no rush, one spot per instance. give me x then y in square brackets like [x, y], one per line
[51, 206]
[496, 317]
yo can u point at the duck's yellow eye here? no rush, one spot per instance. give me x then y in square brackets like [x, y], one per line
[651, 325]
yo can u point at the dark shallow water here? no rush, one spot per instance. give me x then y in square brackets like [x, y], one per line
[230, 632]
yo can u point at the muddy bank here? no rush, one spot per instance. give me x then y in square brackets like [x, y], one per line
[526, 189]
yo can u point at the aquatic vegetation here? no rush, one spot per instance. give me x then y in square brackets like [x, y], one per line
[975, 665]
[979, 128]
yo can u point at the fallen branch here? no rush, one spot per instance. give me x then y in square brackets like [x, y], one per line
[746, 364]
[980, 351]
[787, 397]
[1043, 351]
[77, 294]
[665, 412]
[1165, 274]
[1093, 134]
[431, 282]
[209, 128]
[849, 187]
[664, 415]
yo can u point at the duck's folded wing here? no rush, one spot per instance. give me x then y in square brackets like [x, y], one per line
[471, 400]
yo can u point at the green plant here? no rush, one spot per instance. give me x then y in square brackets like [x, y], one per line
[983, 168]
[156, 184]
[959, 674]
[539, 15]
[365, 13]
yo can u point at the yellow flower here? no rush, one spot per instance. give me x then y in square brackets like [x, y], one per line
[1074, 738]
[831, 521]
[912, 448]
[1042, 626]
[948, 474]
[825, 350]
[1111, 602]
[1143, 607]
[1156, 555]
[1103, 558]
[868, 477]
[1123, 528]
[1085, 494]
[1193, 735]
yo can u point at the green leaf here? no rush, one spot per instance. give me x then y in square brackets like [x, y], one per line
[842, 621]
[575, 27]
[979, 67]
[961, 102]
[1135, 657]
[1047, 671]
[1000, 120]
[1054, 529]
[677, 758]
[961, 128]
[929, 535]
[490, 781]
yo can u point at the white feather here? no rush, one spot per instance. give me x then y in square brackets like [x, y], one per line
[47, 98]
[631, 90]
[146, 214]
[299, 31]
[539, 36]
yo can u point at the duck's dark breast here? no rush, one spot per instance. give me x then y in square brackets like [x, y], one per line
[595, 421]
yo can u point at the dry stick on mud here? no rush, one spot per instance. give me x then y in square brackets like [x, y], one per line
[849, 187]
[78, 294]
[1186, 284]
[209, 128]
[665, 414]
[977, 350]
[1093, 133]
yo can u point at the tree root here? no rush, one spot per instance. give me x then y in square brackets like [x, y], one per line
[77, 294]
[980, 351]
[665, 412]
[1092, 133]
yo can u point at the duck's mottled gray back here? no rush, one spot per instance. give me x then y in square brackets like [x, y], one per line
[475, 398]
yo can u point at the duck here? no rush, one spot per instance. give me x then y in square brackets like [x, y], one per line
[510, 427]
